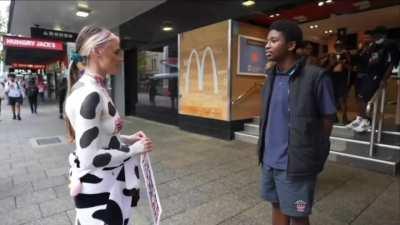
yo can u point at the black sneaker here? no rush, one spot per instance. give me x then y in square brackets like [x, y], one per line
[19, 117]
[14, 117]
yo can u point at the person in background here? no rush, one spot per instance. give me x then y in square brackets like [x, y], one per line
[15, 95]
[377, 61]
[338, 65]
[296, 120]
[41, 89]
[62, 92]
[2, 95]
[32, 93]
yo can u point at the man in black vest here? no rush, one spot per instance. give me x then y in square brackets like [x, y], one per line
[296, 122]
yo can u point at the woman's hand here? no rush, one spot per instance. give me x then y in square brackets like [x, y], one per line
[142, 146]
[147, 143]
[131, 139]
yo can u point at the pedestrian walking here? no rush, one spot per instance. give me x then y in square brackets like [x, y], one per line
[15, 95]
[2, 95]
[62, 92]
[32, 93]
[104, 168]
[296, 121]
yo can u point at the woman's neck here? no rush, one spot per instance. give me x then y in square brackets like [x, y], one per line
[95, 70]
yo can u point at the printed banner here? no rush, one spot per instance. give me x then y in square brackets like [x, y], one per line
[251, 56]
[150, 183]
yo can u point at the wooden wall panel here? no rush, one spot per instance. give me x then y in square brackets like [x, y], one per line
[201, 49]
[249, 106]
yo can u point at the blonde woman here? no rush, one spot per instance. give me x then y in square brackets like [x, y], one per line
[104, 170]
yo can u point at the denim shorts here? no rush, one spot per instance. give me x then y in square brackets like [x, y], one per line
[294, 195]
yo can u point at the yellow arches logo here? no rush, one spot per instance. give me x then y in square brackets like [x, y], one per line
[200, 69]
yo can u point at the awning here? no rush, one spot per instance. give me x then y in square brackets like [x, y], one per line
[32, 51]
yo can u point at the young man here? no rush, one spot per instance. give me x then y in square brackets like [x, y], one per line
[15, 96]
[377, 62]
[296, 122]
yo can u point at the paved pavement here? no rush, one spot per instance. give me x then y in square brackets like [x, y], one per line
[201, 180]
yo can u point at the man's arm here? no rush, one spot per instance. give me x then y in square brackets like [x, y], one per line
[327, 124]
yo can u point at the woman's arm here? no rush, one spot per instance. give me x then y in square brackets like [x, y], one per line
[87, 124]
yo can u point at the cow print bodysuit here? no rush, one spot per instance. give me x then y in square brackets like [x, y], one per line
[105, 168]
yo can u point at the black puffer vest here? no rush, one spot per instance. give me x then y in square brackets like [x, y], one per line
[308, 147]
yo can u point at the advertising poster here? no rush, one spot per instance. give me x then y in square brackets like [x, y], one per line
[251, 56]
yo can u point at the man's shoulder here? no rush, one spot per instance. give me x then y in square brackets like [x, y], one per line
[313, 70]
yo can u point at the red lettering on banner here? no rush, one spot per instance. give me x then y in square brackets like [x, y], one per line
[30, 43]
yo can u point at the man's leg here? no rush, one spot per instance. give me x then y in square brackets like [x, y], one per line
[296, 197]
[278, 218]
[18, 109]
[299, 221]
[13, 108]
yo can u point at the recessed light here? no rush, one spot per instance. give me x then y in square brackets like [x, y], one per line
[277, 14]
[167, 26]
[321, 3]
[329, 1]
[82, 14]
[271, 16]
[248, 3]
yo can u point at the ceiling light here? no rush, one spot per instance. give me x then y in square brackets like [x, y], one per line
[83, 10]
[82, 14]
[58, 27]
[167, 26]
[330, 31]
[277, 14]
[321, 3]
[329, 1]
[314, 26]
[271, 16]
[248, 3]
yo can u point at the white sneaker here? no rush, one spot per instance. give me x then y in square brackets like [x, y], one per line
[354, 123]
[363, 126]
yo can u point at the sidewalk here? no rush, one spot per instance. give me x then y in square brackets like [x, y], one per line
[201, 180]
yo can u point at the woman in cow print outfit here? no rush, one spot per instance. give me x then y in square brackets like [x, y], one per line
[104, 169]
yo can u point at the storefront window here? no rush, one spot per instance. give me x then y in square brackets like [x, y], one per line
[157, 80]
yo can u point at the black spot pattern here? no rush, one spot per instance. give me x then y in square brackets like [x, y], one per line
[127, 159]
[114, 143]
[137, 172]
[134, 193]
[111, 109]
[78, 163]
[121, 175]
[88, 136]
[112, 215]
[124, 148]
[90, 178]
[111, 168]
[126, 221]
[88, 108]
[102, 160]
[90, 200]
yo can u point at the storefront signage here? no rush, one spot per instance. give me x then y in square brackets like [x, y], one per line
[32, 43]
[53, 34]
[150, 183]
[200, 69]
[29, 66]
[251, 56]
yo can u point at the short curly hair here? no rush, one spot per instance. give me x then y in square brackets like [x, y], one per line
[290, 30]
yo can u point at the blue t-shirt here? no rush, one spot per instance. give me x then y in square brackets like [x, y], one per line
[277, 129]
